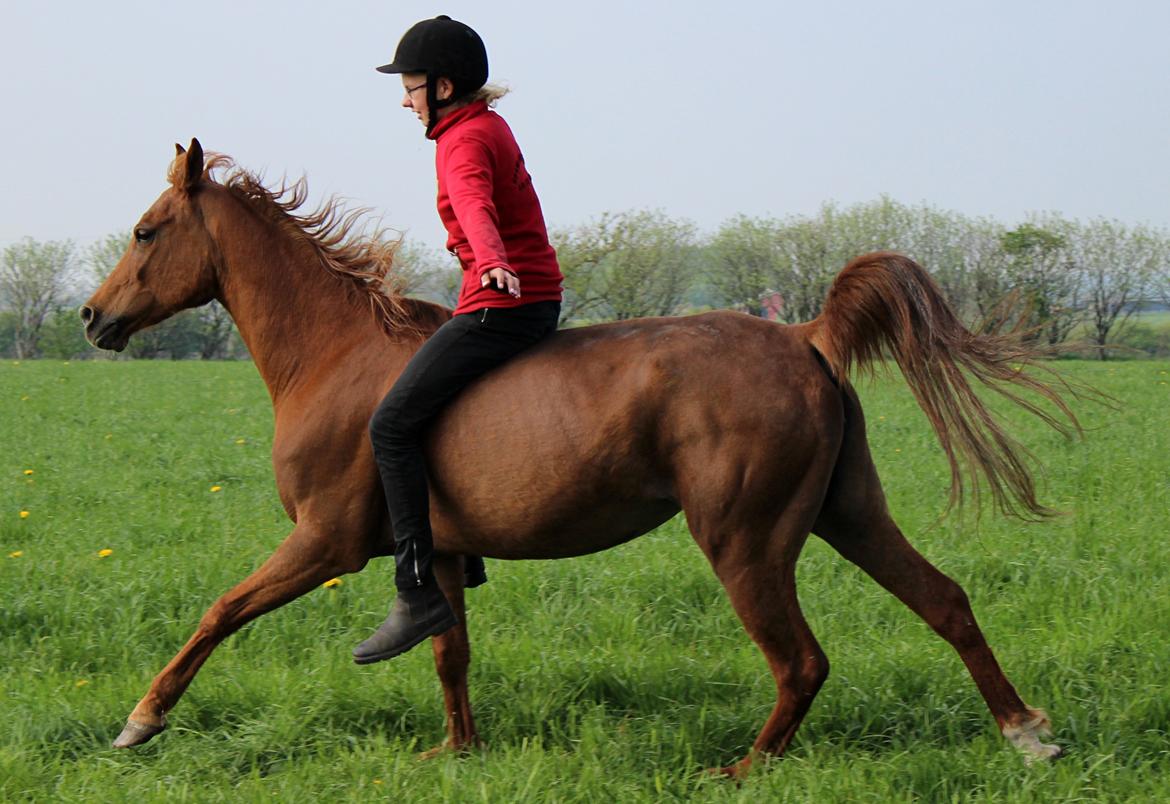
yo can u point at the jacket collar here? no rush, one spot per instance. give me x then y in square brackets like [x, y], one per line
[456, 117]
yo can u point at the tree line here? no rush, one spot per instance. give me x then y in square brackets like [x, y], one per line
[1072, 286]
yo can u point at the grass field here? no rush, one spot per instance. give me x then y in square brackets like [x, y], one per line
[616, 677]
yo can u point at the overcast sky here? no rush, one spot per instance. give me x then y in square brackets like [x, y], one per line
[703, 110]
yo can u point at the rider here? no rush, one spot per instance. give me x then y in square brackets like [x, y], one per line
[510, 298]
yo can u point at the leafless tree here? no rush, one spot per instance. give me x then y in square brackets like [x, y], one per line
[36, 279]
[1119, 266]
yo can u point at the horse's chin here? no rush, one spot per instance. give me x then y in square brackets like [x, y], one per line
[111, 345]
[112, 336]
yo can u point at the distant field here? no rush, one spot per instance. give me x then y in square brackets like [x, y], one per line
[615, 677]
[1158, 320]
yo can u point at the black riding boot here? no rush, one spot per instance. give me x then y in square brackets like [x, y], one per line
[417, 613]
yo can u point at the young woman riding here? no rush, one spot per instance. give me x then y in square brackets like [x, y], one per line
[509, 299]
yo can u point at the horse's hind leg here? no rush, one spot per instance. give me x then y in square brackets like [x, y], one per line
[877, 546]
[758, 569]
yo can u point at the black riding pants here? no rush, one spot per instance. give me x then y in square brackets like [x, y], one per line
[460, 351]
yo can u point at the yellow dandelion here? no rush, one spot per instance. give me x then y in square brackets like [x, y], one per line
[332, 582]
[105, 551]
[881, 418]
[28, 471]
[81, 682]
[897, 449]
[16, 554]
[377, 781]
[24, 514]
[217, 488]
[241, 441]
[16, 362]
[109, 436]
[25, 398]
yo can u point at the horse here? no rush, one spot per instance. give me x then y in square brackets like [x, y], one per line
[622, 426]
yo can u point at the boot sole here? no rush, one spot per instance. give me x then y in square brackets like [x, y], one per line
[436, 629]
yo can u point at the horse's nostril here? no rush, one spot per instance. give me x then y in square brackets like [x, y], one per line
[86, 314]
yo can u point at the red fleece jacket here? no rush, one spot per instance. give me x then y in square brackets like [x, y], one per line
[490, 210]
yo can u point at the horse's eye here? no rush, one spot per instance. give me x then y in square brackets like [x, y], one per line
[143, 235]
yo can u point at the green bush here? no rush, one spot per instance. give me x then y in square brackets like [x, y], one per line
[1143, 340]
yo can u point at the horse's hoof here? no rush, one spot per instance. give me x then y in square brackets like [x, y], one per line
[1047, 752]
[734, 773]
[447, 747]
[432, 753]
[136, 733]
[1026, 737]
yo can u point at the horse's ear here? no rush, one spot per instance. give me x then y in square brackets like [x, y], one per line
[194, 171]
[179, 150]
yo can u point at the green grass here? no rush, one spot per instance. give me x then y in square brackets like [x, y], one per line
[615, 677]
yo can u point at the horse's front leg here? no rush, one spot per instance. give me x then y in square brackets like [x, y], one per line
[310, 556]
[452, 658]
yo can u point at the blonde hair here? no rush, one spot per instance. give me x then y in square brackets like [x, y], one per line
[488, 93]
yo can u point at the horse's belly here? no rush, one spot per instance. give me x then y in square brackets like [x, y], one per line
[508, 531]
[545, 495]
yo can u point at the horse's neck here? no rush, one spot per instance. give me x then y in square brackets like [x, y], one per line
[293, 315]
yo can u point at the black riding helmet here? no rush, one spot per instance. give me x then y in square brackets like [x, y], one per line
[441, 48]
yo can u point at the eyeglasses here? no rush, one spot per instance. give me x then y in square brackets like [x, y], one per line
[411, 90]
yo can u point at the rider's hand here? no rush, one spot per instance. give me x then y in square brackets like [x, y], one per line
[502, 279]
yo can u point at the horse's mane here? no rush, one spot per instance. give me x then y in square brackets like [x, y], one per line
[338, 237]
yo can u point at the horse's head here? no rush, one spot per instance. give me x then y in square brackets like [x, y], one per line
[168, 266]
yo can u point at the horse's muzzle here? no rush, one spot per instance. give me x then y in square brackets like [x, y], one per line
[104, 332]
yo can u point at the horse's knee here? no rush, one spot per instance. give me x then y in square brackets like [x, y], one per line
[804, 673]
[952, 618]
[813, 670]
[214, 622]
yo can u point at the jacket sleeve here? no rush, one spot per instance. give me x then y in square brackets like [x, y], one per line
[470, 182]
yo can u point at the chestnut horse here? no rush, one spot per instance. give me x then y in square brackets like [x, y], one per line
[749, 427]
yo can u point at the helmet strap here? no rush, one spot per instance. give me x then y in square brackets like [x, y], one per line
[433, 101]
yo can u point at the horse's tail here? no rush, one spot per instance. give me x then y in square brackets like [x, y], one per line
[885, 302]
